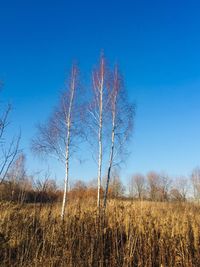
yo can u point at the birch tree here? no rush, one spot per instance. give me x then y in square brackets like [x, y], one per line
[195, 179]
[122, 113]
[59, 136]
[153, 180]
[9, 148]
[96, 110]
[180, 189]
[138, 186]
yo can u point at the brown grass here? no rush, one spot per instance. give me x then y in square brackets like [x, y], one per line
[132, 234]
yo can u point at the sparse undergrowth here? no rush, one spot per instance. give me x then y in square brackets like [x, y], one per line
[132, 234]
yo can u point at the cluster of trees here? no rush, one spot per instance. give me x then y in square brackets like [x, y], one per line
[103, 117]
[20, 187]
[160, 187]
[9, 147]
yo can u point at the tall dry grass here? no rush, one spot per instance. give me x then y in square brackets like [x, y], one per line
[131, 234]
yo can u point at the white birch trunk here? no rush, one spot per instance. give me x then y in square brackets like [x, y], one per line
[110, 163]
[113, 111]
[68, 119]
[66, 181]
[100, 133]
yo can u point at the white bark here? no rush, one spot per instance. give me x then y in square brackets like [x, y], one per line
[68, 120]
[101, 86]
[110, 162]
[114, 101]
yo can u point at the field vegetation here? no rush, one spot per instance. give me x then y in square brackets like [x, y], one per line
[130, 233]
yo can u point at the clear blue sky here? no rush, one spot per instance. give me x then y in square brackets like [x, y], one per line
[156, 43]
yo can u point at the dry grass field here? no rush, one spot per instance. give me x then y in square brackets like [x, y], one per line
[131, 234]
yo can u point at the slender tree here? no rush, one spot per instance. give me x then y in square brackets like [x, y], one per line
[122, 113]
[195, 179]
[180, 189]
[165, 186]
[97, 110]
[138, 185]
[58, 136]
[116, 187]
[9, 149]
[153, 180]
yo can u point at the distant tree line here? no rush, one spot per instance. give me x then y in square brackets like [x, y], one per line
[20, 187]
[160, 187]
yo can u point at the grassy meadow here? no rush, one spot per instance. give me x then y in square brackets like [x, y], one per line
[129, 234]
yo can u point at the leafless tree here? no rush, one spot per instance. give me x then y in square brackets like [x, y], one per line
[97, 112]
[180, 189]
[45, 184]
[195, 179]
[111, 117]
[159, 186]
[183, 186]
[153, 181]
[8, 149]
[59, 136]
[138, 185]
[122, 112]
[116, 188]
[165, 185]
[17, 178]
